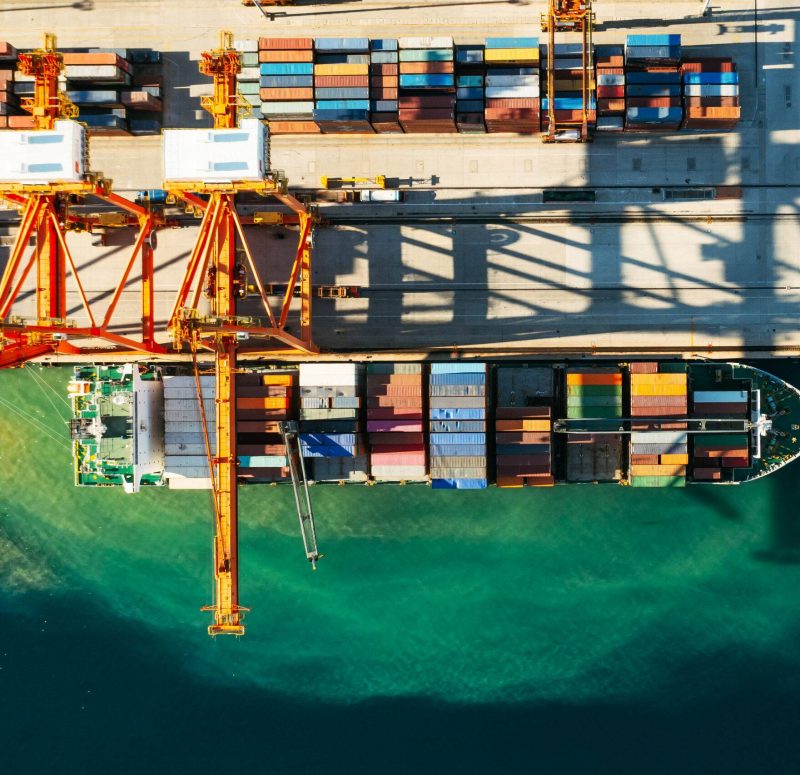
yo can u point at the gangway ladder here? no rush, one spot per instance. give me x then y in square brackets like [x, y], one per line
[302, 498]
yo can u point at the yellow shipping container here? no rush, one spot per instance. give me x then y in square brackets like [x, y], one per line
[678, 460]
[536, 425]
[277, 379]
[511, 55]
[661, 470]
[341, 69]
[658, 379]
[658, 390]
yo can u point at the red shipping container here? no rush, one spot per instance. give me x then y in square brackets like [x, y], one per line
[395, 413]
[706, 474]
[720, 408]
[428, 101]
[286, 44]
[610, 106]
[504, 461]
[98, 58]
[429, 127]
[497, 102]
[735, 461]
[285, 56]
[23, 122]
[511, 114]
[711, 102]
[522, 437]
[425, 114]
[709, 65]
[396, 437]
[606, 70]
[341, 81]
[523, 471]
[609, 92]
[644, 367]
[644, 460]
[616, 62]
[654, 102]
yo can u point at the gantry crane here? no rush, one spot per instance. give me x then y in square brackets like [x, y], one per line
[569, 16]
[48, 213]
[214, 268]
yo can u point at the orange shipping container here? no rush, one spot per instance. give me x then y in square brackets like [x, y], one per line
[285, 56]
[680, 460]
[594, 379]
[423, 68]
[509, 425]
[660, 470]
[663, 379]
[286, 43]
[509, 481]
[294, 128]
[277, 379]
[262, 403]
[544, 480]
[286, 94]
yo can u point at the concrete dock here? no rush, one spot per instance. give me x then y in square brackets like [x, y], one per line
[474, 258]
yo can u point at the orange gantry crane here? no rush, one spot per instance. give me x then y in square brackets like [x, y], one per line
[48, 211]
[214, 269]
[569, 16]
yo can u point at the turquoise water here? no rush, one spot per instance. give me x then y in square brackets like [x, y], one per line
[578, 629]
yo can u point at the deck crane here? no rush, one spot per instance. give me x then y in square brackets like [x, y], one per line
[214, 267]
[568, 16]
[44, 185]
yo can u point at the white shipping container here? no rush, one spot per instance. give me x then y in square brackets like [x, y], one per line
[711, 89]
[512, 92]
[186, 449]
[189, 416]
[659, 437]
[188, 393]
[249, 74]
[216, 155]
[48, 156]
[610, 124]
[94, 73]
[246, 45]
[610, 79]
[184, 381]
[172, 462]
[512, 80]
[327, 374]
[287, 108]
[425, 42]
[197, 483]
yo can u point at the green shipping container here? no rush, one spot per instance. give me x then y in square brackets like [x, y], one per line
[602, 412]
[658, 481]
[595, 401]
[594, 390]
[722, 441]
[673, 368]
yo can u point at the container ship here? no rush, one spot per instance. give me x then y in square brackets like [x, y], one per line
[450, 425]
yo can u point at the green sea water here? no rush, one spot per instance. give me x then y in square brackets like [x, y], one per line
[577, 629]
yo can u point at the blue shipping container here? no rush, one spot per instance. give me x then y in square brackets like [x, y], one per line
[458, 450]
[341, 115]
[287, 68]
[634, 76]
[470, 106]
[656, 115]
[458, 414]
[512, 43]
[383, 57]
[427, 81]
[384, 44]
[653, 40]
[653, 52]
[383, 106]
[652, 90]
[337, 105]
[341, 44]
[459, 368]
[458, 438]
[469, 93]
[469, 80]
[458, 426]
[711, 78]
[469, 55]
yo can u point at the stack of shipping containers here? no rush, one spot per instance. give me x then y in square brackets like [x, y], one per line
[384, 85]
[329, 421]
[287, 84]
[568, 86]
[610, 69]
[9, 101]
[659, 451]
[470, 84]
[186, 458]
[523, 426]
[458, 397]
[713, 453]
[594, 393]
[339, 105]
[248, 79]
[262, 401]
[653, 83]
[427, 85]
[710, 94]
[512, 85]
[395, 422]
